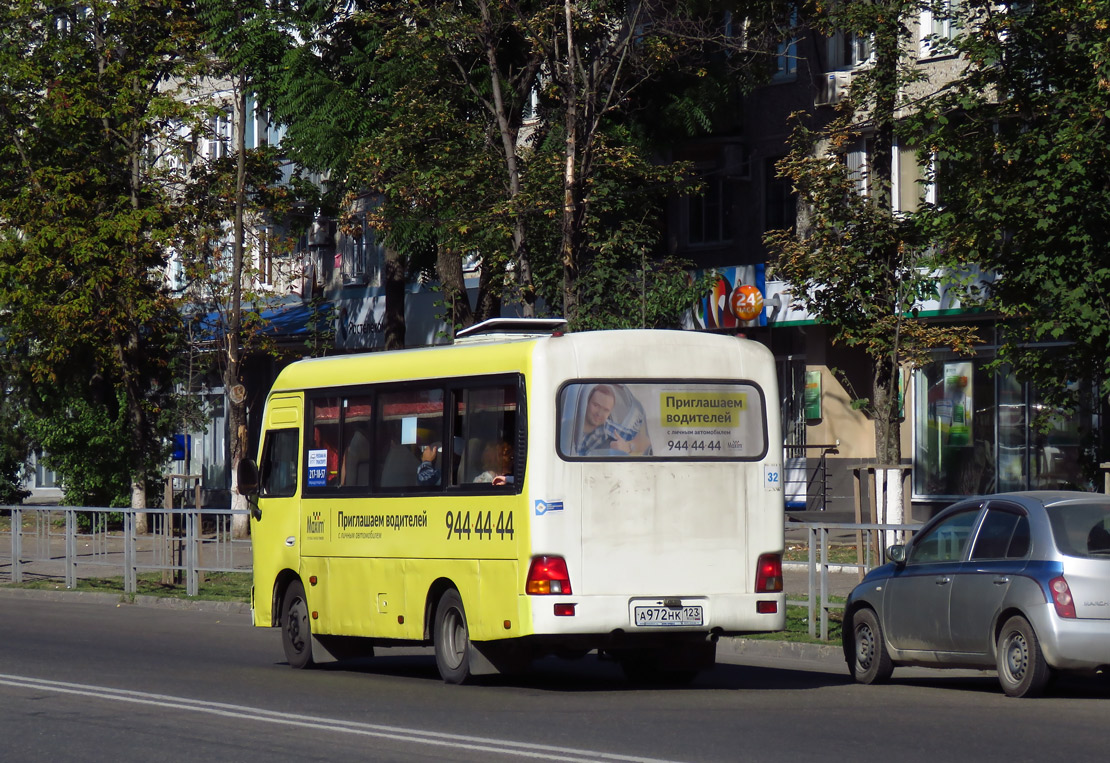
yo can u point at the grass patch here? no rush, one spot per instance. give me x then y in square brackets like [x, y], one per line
[797, 627]
[838, 554]
[215, 586]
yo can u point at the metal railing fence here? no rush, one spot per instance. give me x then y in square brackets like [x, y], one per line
[869, 540]
[71, 542]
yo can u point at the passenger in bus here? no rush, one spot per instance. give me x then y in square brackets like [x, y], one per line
[602, 436]
[497, 460]
[428, 472]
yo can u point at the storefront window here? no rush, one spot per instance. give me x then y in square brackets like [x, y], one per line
[973, 435]
[1012, 433]
[955, 439]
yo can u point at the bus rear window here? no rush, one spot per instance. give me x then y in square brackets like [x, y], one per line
[672, 420]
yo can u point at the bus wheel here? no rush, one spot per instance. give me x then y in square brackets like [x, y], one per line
[452, 639]
[296, 633]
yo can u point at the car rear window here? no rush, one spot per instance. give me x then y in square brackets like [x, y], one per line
[1081, 529]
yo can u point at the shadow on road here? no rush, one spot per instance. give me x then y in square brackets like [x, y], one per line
[591, 674]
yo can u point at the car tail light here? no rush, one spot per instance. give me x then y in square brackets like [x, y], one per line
[768, 574]
[547, 575]
[1061, 597]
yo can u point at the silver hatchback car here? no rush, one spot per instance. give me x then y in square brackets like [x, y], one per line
[1019, 582]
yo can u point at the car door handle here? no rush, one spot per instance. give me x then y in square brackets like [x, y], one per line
[1001, 580]
[943, 580]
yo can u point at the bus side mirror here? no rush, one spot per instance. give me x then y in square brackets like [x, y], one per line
[896, 554]
[247, 477]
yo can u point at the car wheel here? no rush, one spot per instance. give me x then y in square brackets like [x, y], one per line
[452, 639]
[870, 663]
[296, 633]
[1022, 669]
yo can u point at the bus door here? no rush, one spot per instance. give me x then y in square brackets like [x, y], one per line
[275, 530]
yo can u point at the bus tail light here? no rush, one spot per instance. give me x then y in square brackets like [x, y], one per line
[768, 574]
[1061, 597]
[548, 575]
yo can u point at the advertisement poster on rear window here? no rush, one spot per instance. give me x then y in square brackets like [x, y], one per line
[661, 420]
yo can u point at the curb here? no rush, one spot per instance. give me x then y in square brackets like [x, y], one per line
[119, 599]
[828, 655]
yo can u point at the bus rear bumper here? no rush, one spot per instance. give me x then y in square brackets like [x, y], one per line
[720, 614]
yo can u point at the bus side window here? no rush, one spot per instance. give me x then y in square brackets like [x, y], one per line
[410, 423]
[486, 417]
[355, 462]
[324, 447]
[278, 471]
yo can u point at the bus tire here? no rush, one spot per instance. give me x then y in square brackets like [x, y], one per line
[451, 638]
[296, 631]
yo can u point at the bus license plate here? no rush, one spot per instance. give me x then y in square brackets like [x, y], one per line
[653, 616]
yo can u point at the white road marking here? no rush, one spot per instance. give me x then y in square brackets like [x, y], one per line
[399, 733]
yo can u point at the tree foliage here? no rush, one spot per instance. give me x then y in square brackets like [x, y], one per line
[14, 448]
[1022, 147]
[87, 101]
[483, 127]
[853, 263]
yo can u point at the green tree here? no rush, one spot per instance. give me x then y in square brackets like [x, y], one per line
[452, 112]
[1022, 154]
[233, 205]
[14, 448]
[89, 101]
[856, 265]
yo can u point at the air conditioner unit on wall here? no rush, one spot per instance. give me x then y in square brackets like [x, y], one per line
[833, 89]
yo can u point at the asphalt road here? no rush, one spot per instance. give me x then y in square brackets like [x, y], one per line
[84, 679]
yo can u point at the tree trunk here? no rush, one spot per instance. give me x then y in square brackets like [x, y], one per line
[888, 446]
[394, 318]
[888, 441]
[568, 249]
[488, 303]
[236, 397]
[888, 434]
[455, 299]
[508, 125]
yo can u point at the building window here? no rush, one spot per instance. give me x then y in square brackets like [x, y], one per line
[849, 51]
[858, 159]
[779, 199]
[709, 215]
[264, 259]
[938, 27]
[360, 256]
[786, 60]
[43, 477]
[219, 136]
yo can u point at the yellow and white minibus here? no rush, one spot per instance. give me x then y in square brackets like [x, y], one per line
[523, 493]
